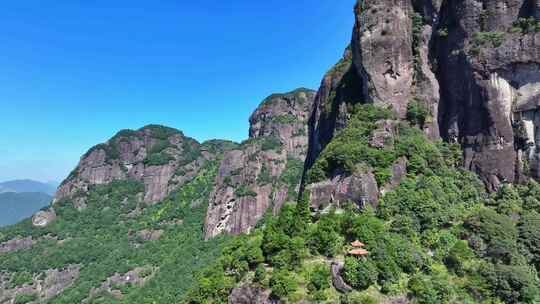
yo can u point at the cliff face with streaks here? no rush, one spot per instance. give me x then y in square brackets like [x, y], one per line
[161, 158]
[264, 171]
[473, 66]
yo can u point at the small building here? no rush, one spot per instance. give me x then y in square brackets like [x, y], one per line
[358, 252]
[357, 249]
[357, 244]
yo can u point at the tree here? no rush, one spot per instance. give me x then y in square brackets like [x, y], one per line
[324, 237]
[302, 214]
[516, 284]
[529, 237]
[360, 273]
[458, 255]
[283, 284]
[417, 112]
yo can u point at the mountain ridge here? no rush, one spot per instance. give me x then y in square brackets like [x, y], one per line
[438, 182]
[28, 185]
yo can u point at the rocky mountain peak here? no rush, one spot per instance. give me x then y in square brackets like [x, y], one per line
[471, 68]
[264, 171]
[160, 157]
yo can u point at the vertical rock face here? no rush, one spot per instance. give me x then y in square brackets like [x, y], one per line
[487, 67]
[338, 93]
[474, 65]
[387, 63]
[159, 157]
[265, 170]
[382, 51]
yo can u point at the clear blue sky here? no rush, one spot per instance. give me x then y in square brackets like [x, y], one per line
[74, 72]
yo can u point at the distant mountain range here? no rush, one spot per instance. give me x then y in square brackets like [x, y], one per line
[27, 185]
[20, 199]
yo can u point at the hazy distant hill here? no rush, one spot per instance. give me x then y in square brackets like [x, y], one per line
[26, 185]
[17, 206]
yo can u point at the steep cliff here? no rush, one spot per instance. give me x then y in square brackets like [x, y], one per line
[488, 64]
[468, 69]
[161, 158]
[264, 171]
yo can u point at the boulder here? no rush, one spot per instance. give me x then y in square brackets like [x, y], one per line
[246, 294]
[16, 244]
[359, 188]
[43, 218]
[337, 280]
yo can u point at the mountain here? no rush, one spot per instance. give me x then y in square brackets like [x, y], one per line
[152, 196]
[26, 185]
[408, 177]
[17, 206]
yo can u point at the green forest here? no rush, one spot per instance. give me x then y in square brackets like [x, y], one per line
[101, 240]
[437, 238]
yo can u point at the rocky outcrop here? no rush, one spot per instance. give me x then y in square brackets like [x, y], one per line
[246, 294]
[43, 287]
[359, 188]
[399, 171]
[16, 244]
[383, 53]
[161, 158]
[43, 218]
[146, 235]
[265, 170]
[136, 277]
[474, 65]
[487, 66]
[337, 95]
[337, 279]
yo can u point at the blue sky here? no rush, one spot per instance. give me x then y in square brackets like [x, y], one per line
[74, 72]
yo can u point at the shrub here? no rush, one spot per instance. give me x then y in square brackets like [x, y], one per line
[283, 284]
[516, 284]
[350, 147]
[458, 256]
[492, 234]
[24, 298]
[360, 273]
[319, 278]
[244, 190]
[260, 274]
[529, 237]
[324, 237]
[417, 112]
[270, 143]
[158, 159]
[19, 279]
[291, 176]
[486, 39]
[526, 25]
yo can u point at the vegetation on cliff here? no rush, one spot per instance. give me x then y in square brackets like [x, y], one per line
[437, 238]
[105, 239]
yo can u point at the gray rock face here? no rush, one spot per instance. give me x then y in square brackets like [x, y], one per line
[360, 188]
[340, 89]
[483, 81]
[16, 244]
[250, 295]
[477, 74]
[45, 287]
[337, 280]
[265, 170]
[399, 171]
[136, 277]
[149, 235]
[159, 157]
[43, 218]
[382, 52]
